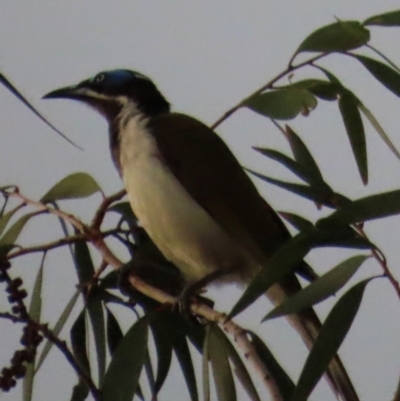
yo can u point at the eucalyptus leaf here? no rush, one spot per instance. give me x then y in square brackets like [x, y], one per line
[378, 128]
[280, 377]
[12, 234]
[369, 208]
[222, 372]
[322, 89]
[391, 18]
[122, 376]
[114, 332]
[337, 37]
[80, 391]
[58, 327]
[206, 366]
[304, 157]
[240, 369]
[74, 186]
[298, 222]
[330, 337]
[348, 106]
[6, 218]
[386, 75]
[282, 262]
[283, 104]
[79, 341]
[322, 288]
[286, 161]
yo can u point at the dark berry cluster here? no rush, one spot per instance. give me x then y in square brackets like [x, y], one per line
[30, 338]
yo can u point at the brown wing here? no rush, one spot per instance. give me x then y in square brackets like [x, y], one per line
[213, 176]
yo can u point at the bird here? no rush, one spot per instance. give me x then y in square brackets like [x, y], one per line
[192, 196]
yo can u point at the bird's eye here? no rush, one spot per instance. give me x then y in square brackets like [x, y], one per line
[99, 78]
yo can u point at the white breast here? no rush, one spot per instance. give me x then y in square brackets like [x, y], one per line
[184, 232]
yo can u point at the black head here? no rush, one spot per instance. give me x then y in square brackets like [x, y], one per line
[109, 91]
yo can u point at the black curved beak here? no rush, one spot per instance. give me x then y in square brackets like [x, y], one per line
[75, 92]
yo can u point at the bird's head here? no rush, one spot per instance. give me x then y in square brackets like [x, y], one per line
[109, 91]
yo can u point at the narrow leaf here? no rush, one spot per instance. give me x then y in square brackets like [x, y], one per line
[286, 161]
[369, 208]
[355, 131]
[240, 369]
[206, 366]
[58, 327]
[222, 372]
[303, 156]
[6, 218]
[12, 234]
[391, 18]
[283, 104]
[78, 342]
[386, 75]
[322, 288]
[122, 377]
[80, 391]
[22, 98]
[279, 265]
[74, 186]
[322, 195]
[96, 314]
[331, 336]
[83, 263]
[182, 352]
[280, 377]
[162, 341]
[378, 128]
[124, 209]
[324, 90]
[114, 332]
[337, 37]
[35, 310]
[298, 222]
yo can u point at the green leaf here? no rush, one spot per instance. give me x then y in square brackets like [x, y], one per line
[391, 18]
[304, 157]
[83, 263]
[12, 234]
[240, 369]
[125, 209]
[322, 288]
[298, 222]
[322, 195]
[283, 104]
[282, 262]
[160, 327]
[378, 128]
[369, 208]
[80, 391]
[330, 337]
[222, 373]
[286, 161]
[324, 90]
[6, 218]
[386, 75]
[114, 332]
[20, 97]
[182, 353]
[96, 314]
[74, 186]
[337, 37]
[205, 366]
[355, 130]
[78, 341]
[58, 327]
[122, 377]
[35, 310]
[280, 377]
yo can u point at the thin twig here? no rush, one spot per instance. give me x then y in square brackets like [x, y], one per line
[268, 85]
[101, 211]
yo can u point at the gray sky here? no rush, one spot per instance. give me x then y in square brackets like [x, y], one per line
[205, 57]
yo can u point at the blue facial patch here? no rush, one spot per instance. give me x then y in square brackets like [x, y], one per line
[118, 77]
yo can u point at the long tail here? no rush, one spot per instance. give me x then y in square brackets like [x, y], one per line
[308, 325]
